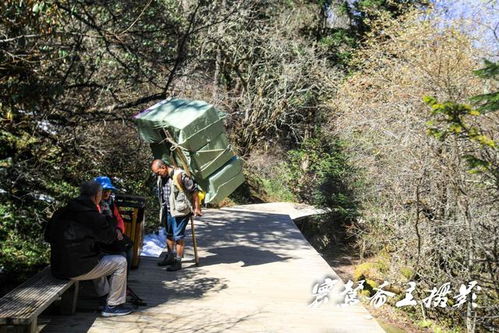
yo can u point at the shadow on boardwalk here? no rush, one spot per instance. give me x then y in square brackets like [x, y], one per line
[157, 286]
[255, 275]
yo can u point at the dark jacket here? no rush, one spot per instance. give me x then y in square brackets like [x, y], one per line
[74, 233]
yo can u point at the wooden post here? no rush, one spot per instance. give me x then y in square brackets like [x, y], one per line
[135, 232]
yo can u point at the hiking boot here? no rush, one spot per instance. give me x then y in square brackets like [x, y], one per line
[177, 265]
[168, 260]
[117, 310]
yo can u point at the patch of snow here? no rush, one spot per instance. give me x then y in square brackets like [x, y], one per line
[29, 113]
[47, 127]
[43, 197]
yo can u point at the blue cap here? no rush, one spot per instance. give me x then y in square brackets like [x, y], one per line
[105, 182]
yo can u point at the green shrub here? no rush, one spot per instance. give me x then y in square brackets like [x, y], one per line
[22, 251]
[319, 174]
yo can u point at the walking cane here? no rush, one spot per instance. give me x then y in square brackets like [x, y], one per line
[194, 243]
[185, 165]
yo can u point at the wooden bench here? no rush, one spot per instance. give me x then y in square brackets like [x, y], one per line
[20, 308]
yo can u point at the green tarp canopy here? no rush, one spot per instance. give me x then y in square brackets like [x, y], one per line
[197, 128]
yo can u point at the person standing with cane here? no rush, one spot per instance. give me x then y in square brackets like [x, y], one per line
[178, 194]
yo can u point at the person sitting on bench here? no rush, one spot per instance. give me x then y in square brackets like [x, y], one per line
[74, 233]
[123, 245]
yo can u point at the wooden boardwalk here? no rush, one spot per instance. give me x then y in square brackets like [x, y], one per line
[256, 275]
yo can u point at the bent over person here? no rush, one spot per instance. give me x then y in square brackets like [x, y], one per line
[75, 233]
[178, 195]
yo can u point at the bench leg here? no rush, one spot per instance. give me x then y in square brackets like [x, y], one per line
[69, 299]
[33, 327]
[75, 296]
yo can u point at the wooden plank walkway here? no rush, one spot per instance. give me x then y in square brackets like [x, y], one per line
[256, 275]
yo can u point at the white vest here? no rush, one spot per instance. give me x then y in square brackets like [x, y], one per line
[180, 204]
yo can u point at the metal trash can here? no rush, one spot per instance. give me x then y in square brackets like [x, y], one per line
[132, 209]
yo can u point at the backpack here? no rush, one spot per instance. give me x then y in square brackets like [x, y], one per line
[180, 203]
